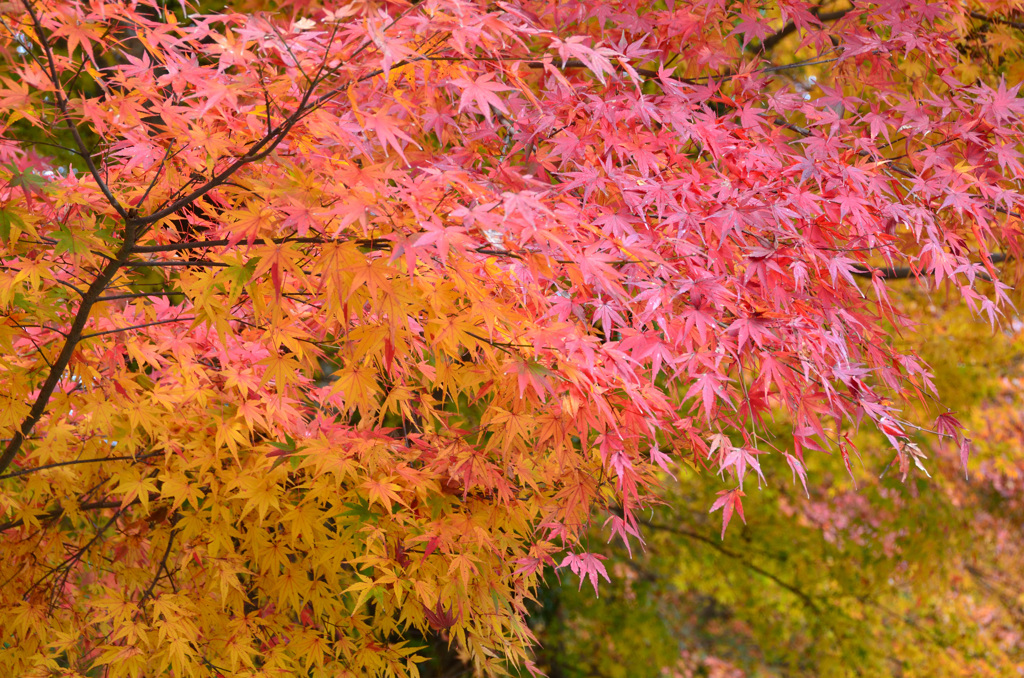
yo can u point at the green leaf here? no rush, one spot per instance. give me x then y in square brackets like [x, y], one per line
[10, 223]
[361, 511]
[67, 243]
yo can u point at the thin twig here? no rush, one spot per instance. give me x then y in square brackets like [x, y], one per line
[75, 462]
[804, 597]
[162, 567]
[138, 327]
[171, 262]
[903, 272]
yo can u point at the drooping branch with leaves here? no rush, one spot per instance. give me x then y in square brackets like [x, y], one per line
[330, 327]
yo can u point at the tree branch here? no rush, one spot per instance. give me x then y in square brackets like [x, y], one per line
[173, 262]
[138, 327]
[75, 462]
[903, 272]
[162, 567]
[772, 40]
[201, 244]
[997, 20]
[140, 295]
[59, 510]
[74, 335]
[70, 561]
[804, 597]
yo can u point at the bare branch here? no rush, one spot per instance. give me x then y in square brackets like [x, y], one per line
[167, 156]
[70, 561]
[138, 327]
[161, 567]
[902, 272]
[772, 40]
[803, 596]
[140, 295]
[76, 462]
[198, 263]
[998, 20]
[58, 511]
[373, 243]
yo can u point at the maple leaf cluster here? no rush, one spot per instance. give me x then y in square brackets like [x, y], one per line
[341, 327]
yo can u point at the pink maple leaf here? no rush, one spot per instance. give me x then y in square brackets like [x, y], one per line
[729, 501]
[482, 94]
[586, 566]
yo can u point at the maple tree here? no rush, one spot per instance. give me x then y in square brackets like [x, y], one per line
[329, 328]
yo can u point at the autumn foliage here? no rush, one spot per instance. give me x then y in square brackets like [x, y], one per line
[330, 328]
